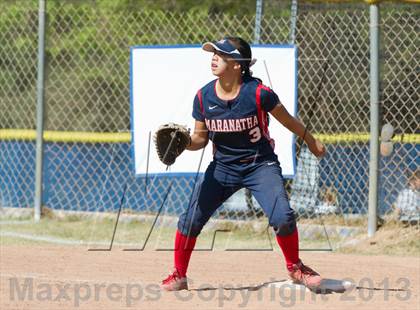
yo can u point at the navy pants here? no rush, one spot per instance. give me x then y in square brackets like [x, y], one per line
[263, 179]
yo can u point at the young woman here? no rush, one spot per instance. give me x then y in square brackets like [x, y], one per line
[231, 111]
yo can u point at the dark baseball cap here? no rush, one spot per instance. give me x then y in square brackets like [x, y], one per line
[222, 46]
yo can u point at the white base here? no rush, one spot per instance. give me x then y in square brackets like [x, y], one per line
[327, 286]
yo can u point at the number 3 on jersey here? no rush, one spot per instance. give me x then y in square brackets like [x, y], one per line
[255, 134]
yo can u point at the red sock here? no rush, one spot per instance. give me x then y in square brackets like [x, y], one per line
[183, 248]
[290, 247]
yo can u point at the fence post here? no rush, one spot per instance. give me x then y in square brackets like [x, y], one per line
[293, 18]
[258, 14]
[40, 111]
[374, 118]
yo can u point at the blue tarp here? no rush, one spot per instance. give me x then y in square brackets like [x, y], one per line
[91, 177]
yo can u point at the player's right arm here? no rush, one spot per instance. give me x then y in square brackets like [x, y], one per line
[200, 137]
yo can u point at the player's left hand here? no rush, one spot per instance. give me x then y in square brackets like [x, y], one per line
[317, 148]
[170, 141]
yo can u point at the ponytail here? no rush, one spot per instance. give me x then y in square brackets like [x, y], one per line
[247, 61]
[246, 72]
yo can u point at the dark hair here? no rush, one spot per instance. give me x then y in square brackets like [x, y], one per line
[243, 47]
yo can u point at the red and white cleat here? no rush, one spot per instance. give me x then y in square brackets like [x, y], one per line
[174, 282]
[302, 274]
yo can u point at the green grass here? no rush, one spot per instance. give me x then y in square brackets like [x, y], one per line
[20, 241]
[133, 233]
[337, 220]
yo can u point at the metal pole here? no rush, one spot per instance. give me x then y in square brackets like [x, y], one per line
[293, 13]
[374, 119]
[40, 111]
[258, 15]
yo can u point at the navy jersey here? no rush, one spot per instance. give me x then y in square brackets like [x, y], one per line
[238, 128]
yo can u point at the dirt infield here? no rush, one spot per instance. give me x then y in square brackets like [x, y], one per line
[74, 278]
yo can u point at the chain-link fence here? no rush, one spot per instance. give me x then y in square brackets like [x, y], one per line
[87, 159]
[18, 67]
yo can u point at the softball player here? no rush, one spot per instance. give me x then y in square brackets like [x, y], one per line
[232, 111]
